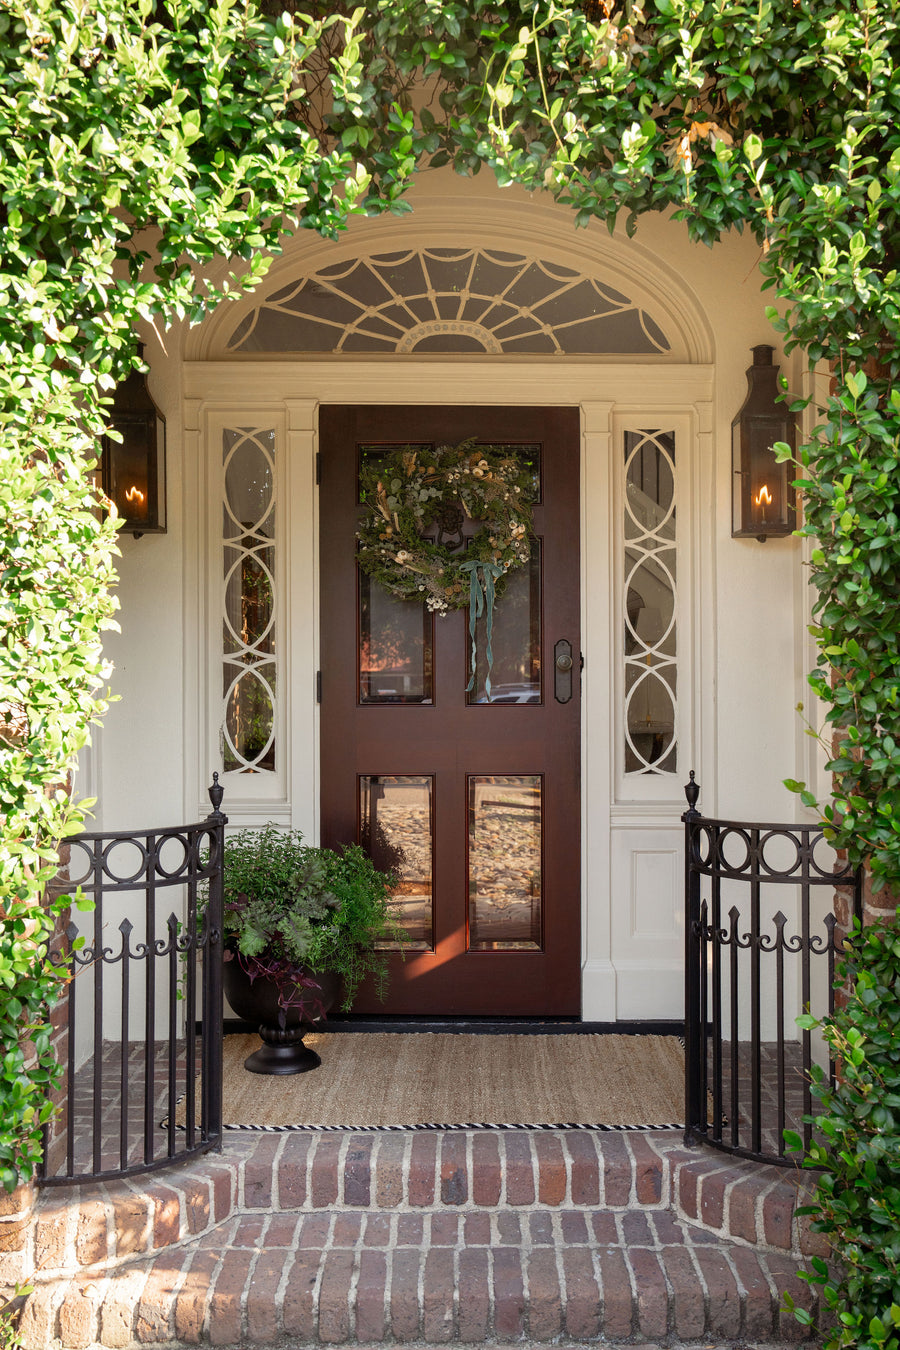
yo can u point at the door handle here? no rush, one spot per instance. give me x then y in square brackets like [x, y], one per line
[562, 674]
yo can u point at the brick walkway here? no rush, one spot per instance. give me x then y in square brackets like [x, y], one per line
[415, 1237]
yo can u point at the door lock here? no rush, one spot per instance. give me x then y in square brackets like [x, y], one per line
[562, 679]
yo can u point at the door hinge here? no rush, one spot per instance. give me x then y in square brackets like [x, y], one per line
[318, 686]
[318, 467]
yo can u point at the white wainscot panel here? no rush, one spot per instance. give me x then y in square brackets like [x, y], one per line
[648, 923]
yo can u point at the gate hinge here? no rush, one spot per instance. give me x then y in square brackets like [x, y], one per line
[318, 686]
[318, 467]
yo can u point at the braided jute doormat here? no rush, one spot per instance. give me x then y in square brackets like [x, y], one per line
[432, 1080]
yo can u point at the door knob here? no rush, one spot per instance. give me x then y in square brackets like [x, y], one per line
[562, 678]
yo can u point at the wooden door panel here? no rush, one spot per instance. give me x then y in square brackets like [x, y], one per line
[529, 748]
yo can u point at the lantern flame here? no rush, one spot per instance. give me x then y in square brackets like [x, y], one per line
[763, 497]
[134, 495]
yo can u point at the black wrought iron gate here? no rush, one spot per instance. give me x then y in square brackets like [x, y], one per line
[142, 1012]
[761, 943]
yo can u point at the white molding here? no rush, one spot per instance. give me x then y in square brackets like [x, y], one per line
[502, 380]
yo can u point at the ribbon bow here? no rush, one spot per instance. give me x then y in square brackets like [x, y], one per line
[482, 579]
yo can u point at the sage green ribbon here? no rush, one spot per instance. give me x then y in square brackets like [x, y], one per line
[482, 577]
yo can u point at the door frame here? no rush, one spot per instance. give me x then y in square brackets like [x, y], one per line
[629, 392]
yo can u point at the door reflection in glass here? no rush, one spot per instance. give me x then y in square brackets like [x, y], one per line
[395, 829]
[505, 863]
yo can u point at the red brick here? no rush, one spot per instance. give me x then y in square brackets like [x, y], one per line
[811, 1243]
[153, 1314]
[226, 1304]
[687, 1292]
[509, 1229]
[474, 1295]
[574, 1227]
[712, 1198]
[585, 1169]
[509, 1293]
[618, 1309]
[347, 1229]
[197, 1207]
[552, 1177]
[652, 1294]
[263, 1323]
[193, 1297]
[370, 1295]
[648, 1170]
[742, 1204]
[617, 1172]
[222, 1182]
[378, 1230]
[477, 1230]
[545, 1310]
[388, 1167]
[324, 1187]
[422, 1165]
[444, 1230]
[604, 1225]
[249, 1231]
[722, 1297]
[686, 1188]
[758, 1312]
[540, 1225]
[334, 1311]
[18, 1203]
[314, 1231]
[37, 1323]
[281, 1230]
[519, 1169]
[259, 1170]
[582, 1294]
[77, 1316]
[298, 1305]
[454, 1174]
[636, 1229]
[486, 1174]
[166, 1216]
[292, 1173]
[133, 1222]
[117, 1311]
[358, 1171]
[404, 1295]
[787, 1280]
[439, 1286]
[778, 1216]
[410, 1230]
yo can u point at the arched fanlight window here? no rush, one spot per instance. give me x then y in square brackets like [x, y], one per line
[449, 300]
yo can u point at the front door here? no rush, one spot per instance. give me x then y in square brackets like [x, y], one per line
[473, 800]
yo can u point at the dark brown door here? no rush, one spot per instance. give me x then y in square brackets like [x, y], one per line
[475, 803]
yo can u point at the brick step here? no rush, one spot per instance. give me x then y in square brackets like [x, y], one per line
[362, 1277]
[455, 1236]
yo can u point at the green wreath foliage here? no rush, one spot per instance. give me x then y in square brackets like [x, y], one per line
[409, 491]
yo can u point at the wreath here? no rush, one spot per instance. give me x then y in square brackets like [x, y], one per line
[411, 541]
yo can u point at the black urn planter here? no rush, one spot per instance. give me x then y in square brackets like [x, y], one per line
[282, 1050]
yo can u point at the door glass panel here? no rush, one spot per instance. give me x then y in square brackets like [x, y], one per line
[395, 829]
[516, 644]
[505, 873]
[396, 636]
[516, 641]
[395, 647]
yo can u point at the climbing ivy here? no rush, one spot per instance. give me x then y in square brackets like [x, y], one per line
[137, 148]
[138, 143]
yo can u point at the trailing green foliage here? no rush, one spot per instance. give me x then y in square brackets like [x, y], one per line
[857, 1144]
[289, 905]
[134, 150]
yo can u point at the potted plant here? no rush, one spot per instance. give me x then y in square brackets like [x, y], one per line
[301, 925]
